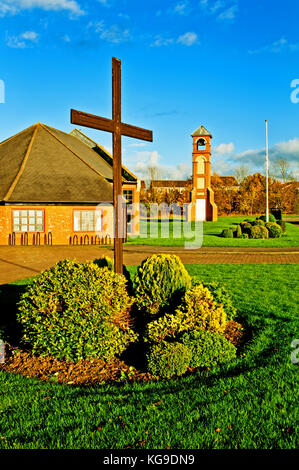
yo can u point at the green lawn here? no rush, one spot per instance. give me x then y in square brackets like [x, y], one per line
[211, 234]
[253, 401]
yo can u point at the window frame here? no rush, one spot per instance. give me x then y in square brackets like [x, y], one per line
[20, 217]
[94, 220]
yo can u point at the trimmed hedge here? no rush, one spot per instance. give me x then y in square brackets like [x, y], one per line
[227, 233]
[161, 280]
[168, 359]
[258, 231]
[77, 311]
[271, 218]
[208, 349]
[275, 231]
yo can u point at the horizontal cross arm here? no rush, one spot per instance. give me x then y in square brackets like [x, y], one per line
[136, 132]
[90, 120]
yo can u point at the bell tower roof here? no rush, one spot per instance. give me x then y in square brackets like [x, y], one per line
[201, 131]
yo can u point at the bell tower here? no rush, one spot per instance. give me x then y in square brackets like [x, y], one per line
[202, 196]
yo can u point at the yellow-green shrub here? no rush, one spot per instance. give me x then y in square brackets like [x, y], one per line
[160, 282]
[198, 311]
[77, 311]
[168, 359]
[208, 348]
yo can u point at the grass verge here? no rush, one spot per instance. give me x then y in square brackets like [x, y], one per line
[164, 236]
[250, 403]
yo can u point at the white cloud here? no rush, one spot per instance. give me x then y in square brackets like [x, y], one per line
[188, 39]
[160, 41]
[224, 149]
[224, 10]
[145, 160]
[182, 8]
[22, 40]
[114, 34]
[15, 6]
[288, 150]
[276, 47]
[229, 13]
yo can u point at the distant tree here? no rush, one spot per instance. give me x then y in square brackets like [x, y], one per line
[282, 170]
[242, 172]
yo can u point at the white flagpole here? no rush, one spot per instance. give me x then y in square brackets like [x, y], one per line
[267, 174]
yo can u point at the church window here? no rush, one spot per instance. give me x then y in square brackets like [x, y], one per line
[87, 221]
[128, 194]
[28, 220]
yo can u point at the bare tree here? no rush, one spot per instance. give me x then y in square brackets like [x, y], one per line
[282, 170]
[242, 172]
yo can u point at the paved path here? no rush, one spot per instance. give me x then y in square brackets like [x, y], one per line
[19, 262]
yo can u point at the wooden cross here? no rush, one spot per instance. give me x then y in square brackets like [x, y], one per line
[118, 129]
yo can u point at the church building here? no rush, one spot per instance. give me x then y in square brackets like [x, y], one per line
[57, 189]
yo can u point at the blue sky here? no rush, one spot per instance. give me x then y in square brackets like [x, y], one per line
[226, 64]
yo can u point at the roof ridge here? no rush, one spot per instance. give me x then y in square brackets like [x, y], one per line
[80, 158]
[15, 135]
[105, 150]
[23, 164]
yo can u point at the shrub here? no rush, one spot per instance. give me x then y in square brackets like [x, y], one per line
[107, 262]
[271, 218]
[282, 224]
[258, 222]
[198, 311]
[168, 359]
[222, 297]
[161, 280]
[275, 231]
[208, 349]
[264, 232]
[227, 233]
[246, 227]
[239, 231]
[245, 235]
[77, 311]
[257, 231]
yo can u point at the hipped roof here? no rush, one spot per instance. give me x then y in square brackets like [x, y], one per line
[201, 131]
[43, 164]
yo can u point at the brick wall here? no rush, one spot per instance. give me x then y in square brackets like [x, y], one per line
[58, 220]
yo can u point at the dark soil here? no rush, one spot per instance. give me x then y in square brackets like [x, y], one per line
[88, 372]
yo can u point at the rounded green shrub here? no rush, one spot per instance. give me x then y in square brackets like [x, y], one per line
[208, 349]
[198, 311]
[227, 233]
[264, 232]
[271, 218]
[259, 222]
[275, 231]
[107, 262]
[168, 359]
[239, 231]
[245, 235]
[257, 231]
[77, 311]
[246, 227]
[160, 282]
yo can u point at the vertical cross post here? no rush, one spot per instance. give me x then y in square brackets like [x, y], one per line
[118, 128]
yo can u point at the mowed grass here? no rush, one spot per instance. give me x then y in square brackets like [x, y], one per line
[250, 404]
[158, 234]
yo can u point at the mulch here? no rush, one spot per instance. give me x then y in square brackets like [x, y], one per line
[88, 372]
